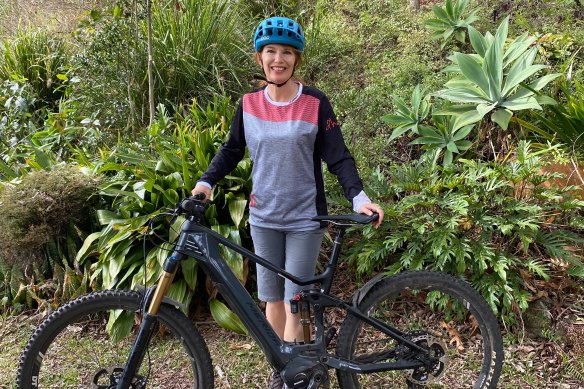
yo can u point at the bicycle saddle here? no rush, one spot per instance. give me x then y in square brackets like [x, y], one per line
[357, 218]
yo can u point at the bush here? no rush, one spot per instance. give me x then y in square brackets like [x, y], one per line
[39, 59]
[498, 225]
[199, 51]
[40, 209]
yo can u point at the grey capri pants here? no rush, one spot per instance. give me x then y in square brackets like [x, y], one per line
[294, 251]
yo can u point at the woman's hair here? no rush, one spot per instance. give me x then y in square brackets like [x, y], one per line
[257, 57]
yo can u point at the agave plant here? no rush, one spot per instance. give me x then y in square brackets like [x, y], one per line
[406, 118]
[493, 80]
[445, 137]
[450, 21]
[563, 122]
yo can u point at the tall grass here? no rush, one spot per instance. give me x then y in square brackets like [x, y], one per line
[201, 48]
[39, 58]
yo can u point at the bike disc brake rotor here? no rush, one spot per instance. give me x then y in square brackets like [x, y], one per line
[108, 379]
[422, 375]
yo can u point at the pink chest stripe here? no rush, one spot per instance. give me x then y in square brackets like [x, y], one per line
[305, 108]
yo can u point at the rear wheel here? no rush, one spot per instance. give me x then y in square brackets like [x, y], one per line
[437, 311]
[73, 347]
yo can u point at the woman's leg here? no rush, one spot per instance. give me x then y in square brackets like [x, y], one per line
[302, 249]
[269, 244]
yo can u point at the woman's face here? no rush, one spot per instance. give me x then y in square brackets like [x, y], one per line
[278, 62]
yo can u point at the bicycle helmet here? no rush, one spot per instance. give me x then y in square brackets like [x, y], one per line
[279, 30]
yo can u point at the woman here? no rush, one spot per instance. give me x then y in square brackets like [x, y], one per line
[288, 128]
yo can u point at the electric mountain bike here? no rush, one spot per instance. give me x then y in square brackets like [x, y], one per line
[414, 329]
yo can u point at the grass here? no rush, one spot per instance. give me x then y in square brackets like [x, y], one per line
[60, 16]
[239, 362]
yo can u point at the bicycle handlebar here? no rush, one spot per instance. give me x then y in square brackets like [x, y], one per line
[194, 206]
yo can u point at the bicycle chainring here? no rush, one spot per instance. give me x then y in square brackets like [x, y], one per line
[422, 376]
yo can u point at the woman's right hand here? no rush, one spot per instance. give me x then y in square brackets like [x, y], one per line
[200, 188]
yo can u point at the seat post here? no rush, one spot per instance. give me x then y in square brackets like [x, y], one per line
[334, 258]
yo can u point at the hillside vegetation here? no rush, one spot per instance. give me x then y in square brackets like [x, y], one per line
[468, 133]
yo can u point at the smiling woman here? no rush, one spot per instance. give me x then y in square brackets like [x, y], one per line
[288, 129]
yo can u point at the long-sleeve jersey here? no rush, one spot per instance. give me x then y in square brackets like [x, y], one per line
[287, 142]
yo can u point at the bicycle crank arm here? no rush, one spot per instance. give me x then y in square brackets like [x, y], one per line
[344, 364]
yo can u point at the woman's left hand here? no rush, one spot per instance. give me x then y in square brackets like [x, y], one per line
[369, 209]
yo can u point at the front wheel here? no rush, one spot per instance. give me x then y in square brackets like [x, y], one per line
[74, 347]
[435, 310]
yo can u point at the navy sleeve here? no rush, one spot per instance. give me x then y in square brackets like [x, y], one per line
[334, 152]
[230, 153]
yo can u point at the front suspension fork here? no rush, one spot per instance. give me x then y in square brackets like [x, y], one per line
[149, 321]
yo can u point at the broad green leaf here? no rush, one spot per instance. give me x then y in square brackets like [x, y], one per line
[517, 48]
[462, 133]
[179, 293]
[395, 119]
[237, 209]
[106, 217]
[119, 324]
[465, 119]
[189, 269]
[522, 103]
[87, 243]
[451, 146]
[226, 318]
[518, 74]
[477, 41]
[501, 117]
[543, 81]
[460, 95]
[472, 71]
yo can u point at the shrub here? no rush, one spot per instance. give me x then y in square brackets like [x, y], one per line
[148, 178]
[495, 224]
[40, 59]
[43, 219]
[199, 50]
[39, 209]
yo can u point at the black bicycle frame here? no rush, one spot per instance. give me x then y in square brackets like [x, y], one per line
[202, 243]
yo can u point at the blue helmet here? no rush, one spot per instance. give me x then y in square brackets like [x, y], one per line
[279, 30]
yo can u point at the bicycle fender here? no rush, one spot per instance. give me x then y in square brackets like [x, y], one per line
[362, 292]
[165, 300]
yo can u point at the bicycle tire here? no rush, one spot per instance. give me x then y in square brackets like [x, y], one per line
[71, 347]
[469, 343]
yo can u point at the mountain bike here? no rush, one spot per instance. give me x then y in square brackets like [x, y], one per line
[414, 329]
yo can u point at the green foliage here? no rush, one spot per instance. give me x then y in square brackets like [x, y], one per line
[148, 180]
[444, 137]
[408, 119]
[450, 22]
[200, 49]
[495, 224]
[40, 59]
[492, 80]
[43, 219]
[562, 122]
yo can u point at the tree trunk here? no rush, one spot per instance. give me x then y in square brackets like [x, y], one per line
[150, 78]
[415, 4]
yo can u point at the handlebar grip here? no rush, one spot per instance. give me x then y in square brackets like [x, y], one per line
[193, 204]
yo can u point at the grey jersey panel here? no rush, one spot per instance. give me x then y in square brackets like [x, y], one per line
[284, 191]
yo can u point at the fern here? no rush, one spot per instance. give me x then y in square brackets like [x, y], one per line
[488, 222]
